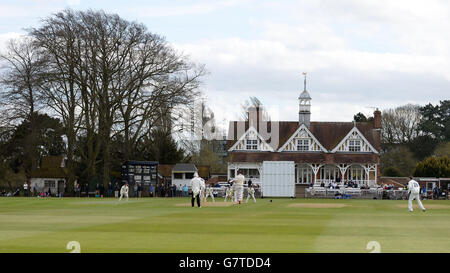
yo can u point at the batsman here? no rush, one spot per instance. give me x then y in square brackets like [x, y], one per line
[239, 187]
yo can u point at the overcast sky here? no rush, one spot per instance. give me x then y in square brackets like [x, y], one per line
[358, 53]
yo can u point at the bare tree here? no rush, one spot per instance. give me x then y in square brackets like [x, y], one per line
[21, 78]
[401, 125]
[109, 77]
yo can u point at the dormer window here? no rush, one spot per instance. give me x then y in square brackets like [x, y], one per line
[303, 144]
[354, 145]
[251, 144]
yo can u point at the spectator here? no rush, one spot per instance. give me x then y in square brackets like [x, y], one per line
[140, 190]
[97, 190]
[116, 190]
[435, 192]
[163, 190]
[102, 190]
[25, 189]
[150, 190]
[185, 190]
[157, 190]
[175, 191]
[17, 192]
[110, 189]
[135, 189]
[78, 190]
[61, 192]
[86, 189]
[249, 183]
[168, 190]
[424, 193]
[49, 192]
[322, 184]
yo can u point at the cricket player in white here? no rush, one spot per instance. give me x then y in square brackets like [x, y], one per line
[414, 193]
[203, 189]
[124, 191]
[197, 184]
[209, 192]
[227, 193]
[251, 192]
[239, 187]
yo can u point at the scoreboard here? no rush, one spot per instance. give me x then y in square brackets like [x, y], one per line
[141, 172]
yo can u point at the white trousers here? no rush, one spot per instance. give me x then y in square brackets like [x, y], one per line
[212, 196]
[253, 196]
[411, 198]
[123, 194]
[226, 196]
[239, 192]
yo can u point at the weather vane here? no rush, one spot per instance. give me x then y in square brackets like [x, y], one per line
[304, 74]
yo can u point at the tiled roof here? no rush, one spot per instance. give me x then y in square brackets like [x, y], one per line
[54, 172]
[51, 161]
[184, 167]
[329, 134]
[51, 168]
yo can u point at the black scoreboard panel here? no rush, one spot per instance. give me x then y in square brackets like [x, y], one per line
[142, 172]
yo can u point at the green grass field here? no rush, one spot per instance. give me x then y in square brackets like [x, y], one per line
[164, 225]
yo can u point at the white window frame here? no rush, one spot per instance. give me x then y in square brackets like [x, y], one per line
[303, 144]
[353, 147]
[356, 174]
[304, 174]
[251, 144]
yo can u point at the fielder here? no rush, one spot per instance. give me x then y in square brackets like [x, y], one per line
[414, 193]
[228, 193]
[250, 192]
[197, 185]
[239, 187]
[124, 191]
[203, 189]
[209, 192]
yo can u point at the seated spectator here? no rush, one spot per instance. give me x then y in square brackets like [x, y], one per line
[322, 184]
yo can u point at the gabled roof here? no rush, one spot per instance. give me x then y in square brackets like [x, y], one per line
[51, 167]
[57, 172]
[329, 134]
[250, 130]
[184, 167]
[52, 162]
[301, 127]
[356, 131]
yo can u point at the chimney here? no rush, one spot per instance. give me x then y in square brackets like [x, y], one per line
[254, 116]
[377, 119]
